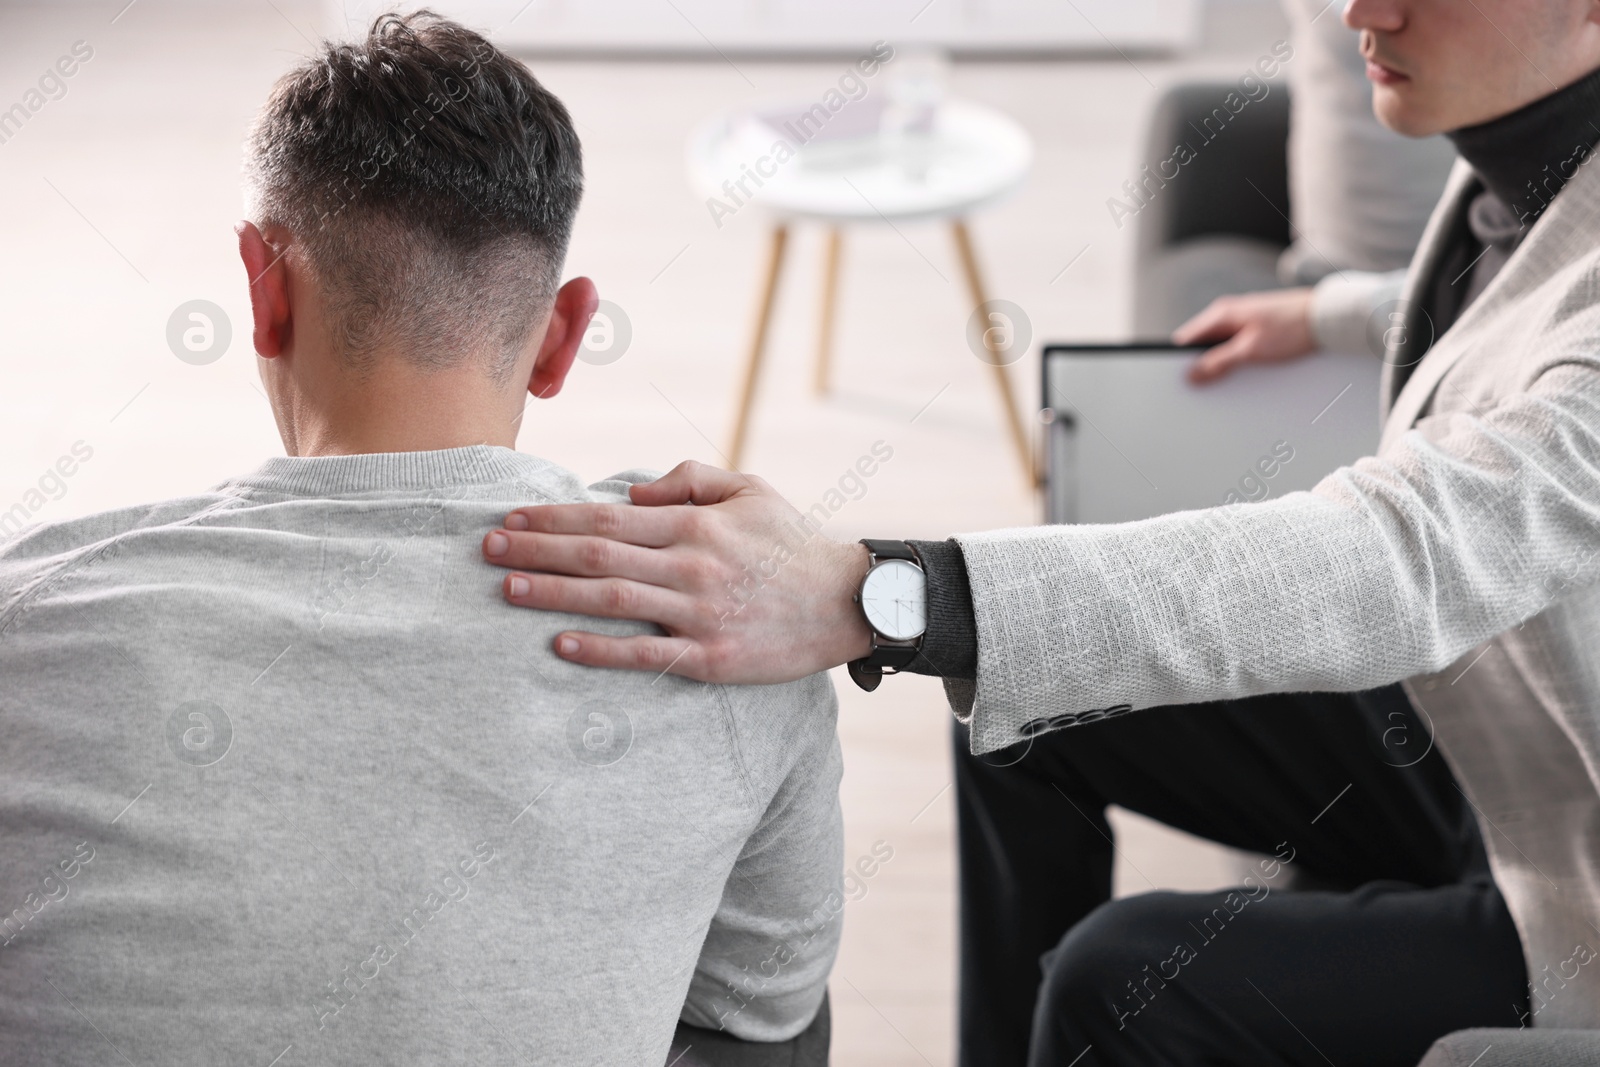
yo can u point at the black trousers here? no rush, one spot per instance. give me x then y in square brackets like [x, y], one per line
[1393, 935]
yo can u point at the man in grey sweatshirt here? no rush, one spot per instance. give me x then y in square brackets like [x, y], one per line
[267, 792]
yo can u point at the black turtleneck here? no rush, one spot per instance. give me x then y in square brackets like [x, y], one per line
[1524, 158]
[1522, 161]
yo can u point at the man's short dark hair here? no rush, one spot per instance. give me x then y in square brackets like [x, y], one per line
[432, 182]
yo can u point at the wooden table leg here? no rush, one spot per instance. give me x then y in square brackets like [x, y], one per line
[758, 344]
[830, 298]
[1019, 433]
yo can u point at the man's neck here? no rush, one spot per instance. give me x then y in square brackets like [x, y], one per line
[398, 410]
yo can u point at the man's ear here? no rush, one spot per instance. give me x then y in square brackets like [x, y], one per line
[569, 321]
[269, 290]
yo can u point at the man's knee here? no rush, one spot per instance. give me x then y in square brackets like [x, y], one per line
[1109, 967]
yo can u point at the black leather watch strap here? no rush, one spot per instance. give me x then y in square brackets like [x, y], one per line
[891, 549]
[868, 671]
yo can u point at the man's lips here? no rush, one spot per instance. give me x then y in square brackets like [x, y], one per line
[1379, 74]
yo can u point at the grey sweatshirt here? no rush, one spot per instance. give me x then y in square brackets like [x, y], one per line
[282, 776]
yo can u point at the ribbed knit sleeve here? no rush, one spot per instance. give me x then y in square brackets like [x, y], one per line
[950, 647]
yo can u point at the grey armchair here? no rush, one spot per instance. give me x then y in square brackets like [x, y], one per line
[1219, 225]
[1515, 1048]
[693, 1046]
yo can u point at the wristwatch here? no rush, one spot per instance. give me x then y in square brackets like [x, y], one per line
[894, 599]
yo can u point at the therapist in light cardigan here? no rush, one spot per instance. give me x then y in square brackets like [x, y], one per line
[1451, 577]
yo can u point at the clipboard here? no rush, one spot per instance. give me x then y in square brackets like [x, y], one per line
[1127, 437]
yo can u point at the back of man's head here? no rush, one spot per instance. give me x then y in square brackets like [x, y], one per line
[431, 182]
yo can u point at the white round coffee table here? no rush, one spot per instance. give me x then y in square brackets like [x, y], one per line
[843, 169]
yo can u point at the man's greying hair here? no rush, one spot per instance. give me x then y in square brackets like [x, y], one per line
[432, 181]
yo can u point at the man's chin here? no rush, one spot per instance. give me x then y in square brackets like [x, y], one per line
[1397, 108]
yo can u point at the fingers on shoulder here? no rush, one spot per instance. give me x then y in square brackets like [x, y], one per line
[663, 655]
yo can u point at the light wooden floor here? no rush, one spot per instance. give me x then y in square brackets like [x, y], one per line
[116, 205]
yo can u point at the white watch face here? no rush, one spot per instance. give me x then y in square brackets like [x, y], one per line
[895, 599]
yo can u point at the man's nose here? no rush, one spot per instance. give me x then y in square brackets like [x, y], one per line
[1386, 15]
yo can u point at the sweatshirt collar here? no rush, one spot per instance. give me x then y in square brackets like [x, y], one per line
[387, 471]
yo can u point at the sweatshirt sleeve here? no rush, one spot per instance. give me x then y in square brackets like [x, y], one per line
[764, 966]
